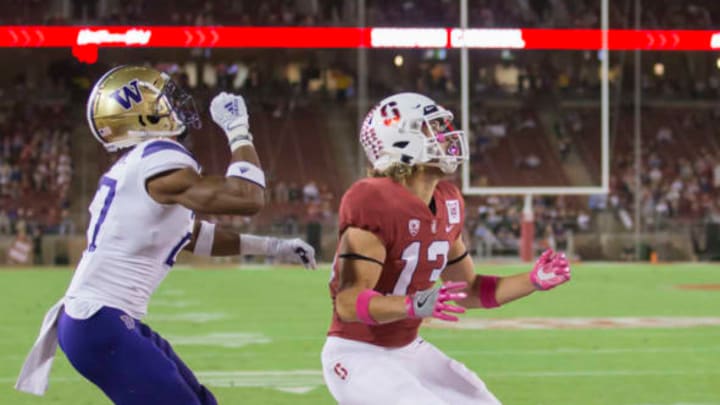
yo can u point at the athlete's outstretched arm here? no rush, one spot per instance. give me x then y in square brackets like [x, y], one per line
[485, 291]
[210, 240]
[361, 257]
[240, 192]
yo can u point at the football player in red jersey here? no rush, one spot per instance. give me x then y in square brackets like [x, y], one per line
[400, 231]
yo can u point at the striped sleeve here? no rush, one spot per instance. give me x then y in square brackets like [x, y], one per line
[164, 155]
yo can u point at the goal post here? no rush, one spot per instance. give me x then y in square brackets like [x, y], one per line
[527, 226]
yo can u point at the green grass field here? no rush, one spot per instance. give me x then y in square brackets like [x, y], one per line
[255, 336]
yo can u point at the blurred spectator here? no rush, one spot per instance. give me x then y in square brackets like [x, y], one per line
[583, 221]
[664, 134]
[294, 192]
[20, 250]
[281, 192]
[66, 226]
[311, 192]
[5, 224]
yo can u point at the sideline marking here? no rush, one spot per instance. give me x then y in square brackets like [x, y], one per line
[231, 339]
[699, 287]
[577, 323]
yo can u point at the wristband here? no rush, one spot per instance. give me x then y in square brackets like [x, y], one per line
[204, 239]
[409, 307]
[242, 139]
[362, 306]
[247, 171]
[486, 286]
[254, 245]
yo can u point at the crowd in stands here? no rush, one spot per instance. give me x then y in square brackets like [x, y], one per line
[698, 14]
[35, 162]
[35, 168]
[493, 223]
[680, 171]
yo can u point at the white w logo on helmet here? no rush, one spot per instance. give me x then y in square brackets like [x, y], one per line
[129, 95]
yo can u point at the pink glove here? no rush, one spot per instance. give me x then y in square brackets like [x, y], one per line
[432, 302]
[551, 269]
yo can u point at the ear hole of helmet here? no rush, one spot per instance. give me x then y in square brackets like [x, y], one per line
[415, 126]
[401, 144]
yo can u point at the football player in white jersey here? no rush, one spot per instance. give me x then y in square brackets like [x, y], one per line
[141, 217]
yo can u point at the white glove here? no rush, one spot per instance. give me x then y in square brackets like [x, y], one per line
[292, 251]
[230, 113]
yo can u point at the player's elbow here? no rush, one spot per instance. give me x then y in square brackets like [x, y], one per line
[249, 200]
[252, 203]
[345, 306]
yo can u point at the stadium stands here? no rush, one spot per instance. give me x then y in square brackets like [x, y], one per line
[35, 165]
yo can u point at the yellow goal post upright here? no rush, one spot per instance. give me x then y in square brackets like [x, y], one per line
[527, 227]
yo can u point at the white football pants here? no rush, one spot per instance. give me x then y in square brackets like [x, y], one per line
[358, 373]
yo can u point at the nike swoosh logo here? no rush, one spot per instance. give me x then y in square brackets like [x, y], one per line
[542, 275]
[421, 303]
[448, 228]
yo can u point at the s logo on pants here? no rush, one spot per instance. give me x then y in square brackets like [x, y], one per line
[340, 371]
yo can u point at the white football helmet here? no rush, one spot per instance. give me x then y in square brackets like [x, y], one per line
[412, 129]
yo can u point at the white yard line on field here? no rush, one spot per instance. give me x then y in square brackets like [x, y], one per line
[169, 303]
[589, 351]
[228, 339]
[170, 292]
[599, 373]
[305, 378]
[578, 323]
[200, 317]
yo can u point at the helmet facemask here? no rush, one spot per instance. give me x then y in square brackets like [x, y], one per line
[171, 103]
[445, 147]
[182, 104]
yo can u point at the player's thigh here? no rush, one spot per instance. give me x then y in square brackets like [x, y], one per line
[134, 370]
[446, 377]
[364, 378]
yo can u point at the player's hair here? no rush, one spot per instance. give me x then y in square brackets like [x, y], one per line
[399, 172]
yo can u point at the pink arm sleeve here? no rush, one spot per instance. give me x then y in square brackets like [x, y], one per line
[485, 287]
[362, 306]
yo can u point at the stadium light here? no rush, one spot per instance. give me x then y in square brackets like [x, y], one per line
[659, 69]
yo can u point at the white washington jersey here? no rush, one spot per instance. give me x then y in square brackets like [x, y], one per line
[132, 239]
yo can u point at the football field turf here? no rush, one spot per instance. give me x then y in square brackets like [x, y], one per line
[617, 334]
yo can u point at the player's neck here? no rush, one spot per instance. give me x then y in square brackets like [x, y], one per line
[422, 184]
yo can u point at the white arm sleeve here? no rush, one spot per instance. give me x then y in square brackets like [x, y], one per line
[204, 239]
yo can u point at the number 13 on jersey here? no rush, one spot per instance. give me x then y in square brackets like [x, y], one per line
[411, 255]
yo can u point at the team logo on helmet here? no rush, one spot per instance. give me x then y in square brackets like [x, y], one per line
[129, 95]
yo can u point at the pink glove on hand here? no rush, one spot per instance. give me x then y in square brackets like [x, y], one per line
[551, 269]
[432, 302]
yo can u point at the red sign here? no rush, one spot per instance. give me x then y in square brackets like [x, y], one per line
[86, 40]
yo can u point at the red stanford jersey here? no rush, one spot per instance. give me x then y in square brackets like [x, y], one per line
[416, 241]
